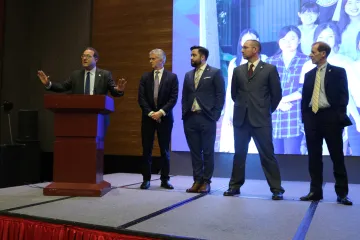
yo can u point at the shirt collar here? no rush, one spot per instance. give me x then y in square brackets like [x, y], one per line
[322, 67]
[160, 71]
[202, 68]
[254, 63]
[92, 71]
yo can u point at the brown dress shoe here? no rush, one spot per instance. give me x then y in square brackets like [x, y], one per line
[205, 188]
[195, 188]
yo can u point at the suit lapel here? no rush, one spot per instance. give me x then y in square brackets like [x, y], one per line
[258, 69]
[312, 79]
[204, 74]
[151, 80]
[244, 69]
[82, 81]
[98, 75]
[328, 69]
[192, 80]
[162, 80]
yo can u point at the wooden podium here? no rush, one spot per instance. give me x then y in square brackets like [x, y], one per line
[79, 129]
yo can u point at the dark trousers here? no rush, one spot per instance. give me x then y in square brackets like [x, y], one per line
[263, 140]
[200, 133]
[163, 130]
[319, 126]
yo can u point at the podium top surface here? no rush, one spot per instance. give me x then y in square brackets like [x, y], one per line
[79, 103]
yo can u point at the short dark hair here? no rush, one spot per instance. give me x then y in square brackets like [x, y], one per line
[96, 54]
[256, 43]
[323, 47]
[203, 51]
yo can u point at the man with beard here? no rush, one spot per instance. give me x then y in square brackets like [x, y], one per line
[202, 101]
[256, 92]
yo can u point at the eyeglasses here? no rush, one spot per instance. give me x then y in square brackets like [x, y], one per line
[87, 56]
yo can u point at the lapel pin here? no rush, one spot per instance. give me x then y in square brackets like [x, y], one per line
[99, 75]
[329, 70]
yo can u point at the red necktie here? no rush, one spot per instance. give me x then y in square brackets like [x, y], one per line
[250, 71]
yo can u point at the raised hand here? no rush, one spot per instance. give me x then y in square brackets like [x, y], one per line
[120, 85]
[43, 78]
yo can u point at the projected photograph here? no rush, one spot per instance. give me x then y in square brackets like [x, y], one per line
[286, 30]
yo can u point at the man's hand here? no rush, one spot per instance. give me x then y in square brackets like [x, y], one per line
[156, 115]
[120, 86]
[43, 78]
[285, 106]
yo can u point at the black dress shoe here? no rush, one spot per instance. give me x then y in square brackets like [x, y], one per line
[166, 185]
[344, 201]
[312, 197]
[145, 185]
[277, 196]
[231, 192]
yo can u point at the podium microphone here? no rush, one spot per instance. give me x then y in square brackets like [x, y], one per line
[7, 108]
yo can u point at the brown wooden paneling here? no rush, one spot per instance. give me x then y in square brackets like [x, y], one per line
[124, 32]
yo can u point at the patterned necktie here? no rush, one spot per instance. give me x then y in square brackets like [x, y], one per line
[197, 77]
[316, 93]
[156, 86]
[87, 84]
[250, 71]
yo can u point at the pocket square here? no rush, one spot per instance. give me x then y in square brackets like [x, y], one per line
[206, 77]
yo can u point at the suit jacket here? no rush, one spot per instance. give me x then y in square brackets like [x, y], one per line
[210, 93]
[167, 96]
[76, 83]
[257, 96]
[336, 90]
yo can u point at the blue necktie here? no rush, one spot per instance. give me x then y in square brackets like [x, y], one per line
[87, 84]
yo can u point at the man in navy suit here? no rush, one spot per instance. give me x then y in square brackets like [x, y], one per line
[256, 92]
[325, 97]
[202, 101]
[158, 93]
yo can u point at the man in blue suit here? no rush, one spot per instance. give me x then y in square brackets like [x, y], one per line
[325, 97]
[202, 101]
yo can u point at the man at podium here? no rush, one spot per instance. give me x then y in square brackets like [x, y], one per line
[89, 80]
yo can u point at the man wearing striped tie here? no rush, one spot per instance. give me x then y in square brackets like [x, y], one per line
[325, 96]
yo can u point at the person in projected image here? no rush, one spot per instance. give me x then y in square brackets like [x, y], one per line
[309, 14]
[227, 131]
[256, 92]
[325, 96]
[349, 26]
[329, 33]
[286, 120]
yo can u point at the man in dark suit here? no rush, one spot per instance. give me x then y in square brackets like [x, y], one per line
[89, 80]
[158, 93]
[325, 97]
[256, 92]
[202, 101]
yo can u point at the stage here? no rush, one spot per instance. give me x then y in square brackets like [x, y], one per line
[174, 214]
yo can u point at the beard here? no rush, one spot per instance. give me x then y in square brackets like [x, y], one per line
[195, 63]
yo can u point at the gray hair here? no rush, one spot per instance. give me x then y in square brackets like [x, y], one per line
[160, 53]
